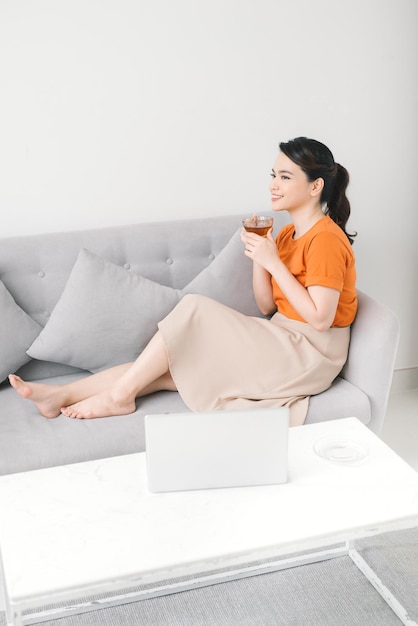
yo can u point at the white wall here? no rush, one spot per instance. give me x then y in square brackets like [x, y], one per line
[116, 111]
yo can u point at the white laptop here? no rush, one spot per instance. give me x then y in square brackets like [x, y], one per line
[216, 449]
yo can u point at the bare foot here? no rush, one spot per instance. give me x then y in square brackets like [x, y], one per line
[109, 402]
[47, 398]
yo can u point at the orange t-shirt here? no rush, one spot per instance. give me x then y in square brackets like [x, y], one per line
[322, 256]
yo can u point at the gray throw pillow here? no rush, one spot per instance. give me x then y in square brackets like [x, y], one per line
[105, 316]
[17, 332]
[228, 279]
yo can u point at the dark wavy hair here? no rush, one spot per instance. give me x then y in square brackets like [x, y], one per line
[317, 161]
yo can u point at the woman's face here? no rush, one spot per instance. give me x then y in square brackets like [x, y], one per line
[289, 187]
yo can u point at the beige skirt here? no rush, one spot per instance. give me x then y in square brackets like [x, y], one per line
[221, 359]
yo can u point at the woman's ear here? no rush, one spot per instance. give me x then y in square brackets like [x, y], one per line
[317, 186]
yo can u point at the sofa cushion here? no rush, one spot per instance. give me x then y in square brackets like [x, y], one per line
[228, 279]
[17, 332]
[105, 316]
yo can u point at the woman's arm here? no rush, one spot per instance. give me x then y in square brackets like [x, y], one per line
[263, 291]
[317, 305]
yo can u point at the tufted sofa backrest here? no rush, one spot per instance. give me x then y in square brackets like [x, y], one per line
[36, 268]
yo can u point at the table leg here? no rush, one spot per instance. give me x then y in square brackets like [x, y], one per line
[12, 618]
[374, 579]
[5, 596]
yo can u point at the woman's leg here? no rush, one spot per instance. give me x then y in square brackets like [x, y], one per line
[149, 373]
[164, 383]
[50, 398]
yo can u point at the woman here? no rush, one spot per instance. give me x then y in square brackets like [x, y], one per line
[218, 358]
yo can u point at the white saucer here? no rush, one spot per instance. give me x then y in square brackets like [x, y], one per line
[341, 450]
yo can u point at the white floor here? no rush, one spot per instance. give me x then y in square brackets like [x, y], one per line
[400, 429]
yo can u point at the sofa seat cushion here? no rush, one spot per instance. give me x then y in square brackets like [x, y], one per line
[17, 332]
[29, 441]
[342, 399]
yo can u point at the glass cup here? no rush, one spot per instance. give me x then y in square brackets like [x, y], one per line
[259, 224]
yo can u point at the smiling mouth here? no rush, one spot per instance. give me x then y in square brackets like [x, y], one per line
[276, 197]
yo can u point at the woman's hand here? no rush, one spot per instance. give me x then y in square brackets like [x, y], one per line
[261, 250]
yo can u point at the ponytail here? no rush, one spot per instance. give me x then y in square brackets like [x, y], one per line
[337, 204]
[317, 161]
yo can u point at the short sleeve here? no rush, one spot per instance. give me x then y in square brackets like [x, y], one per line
[326, 261]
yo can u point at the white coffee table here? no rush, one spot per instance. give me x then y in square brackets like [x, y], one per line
[82, 530]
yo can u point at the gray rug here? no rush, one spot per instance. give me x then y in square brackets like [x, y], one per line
[333, 593]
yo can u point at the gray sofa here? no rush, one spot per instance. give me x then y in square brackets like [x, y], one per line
[82, 301]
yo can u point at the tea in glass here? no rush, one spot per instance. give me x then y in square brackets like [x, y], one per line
[259, 224]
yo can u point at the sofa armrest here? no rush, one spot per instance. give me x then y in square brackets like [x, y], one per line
[371, 358]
